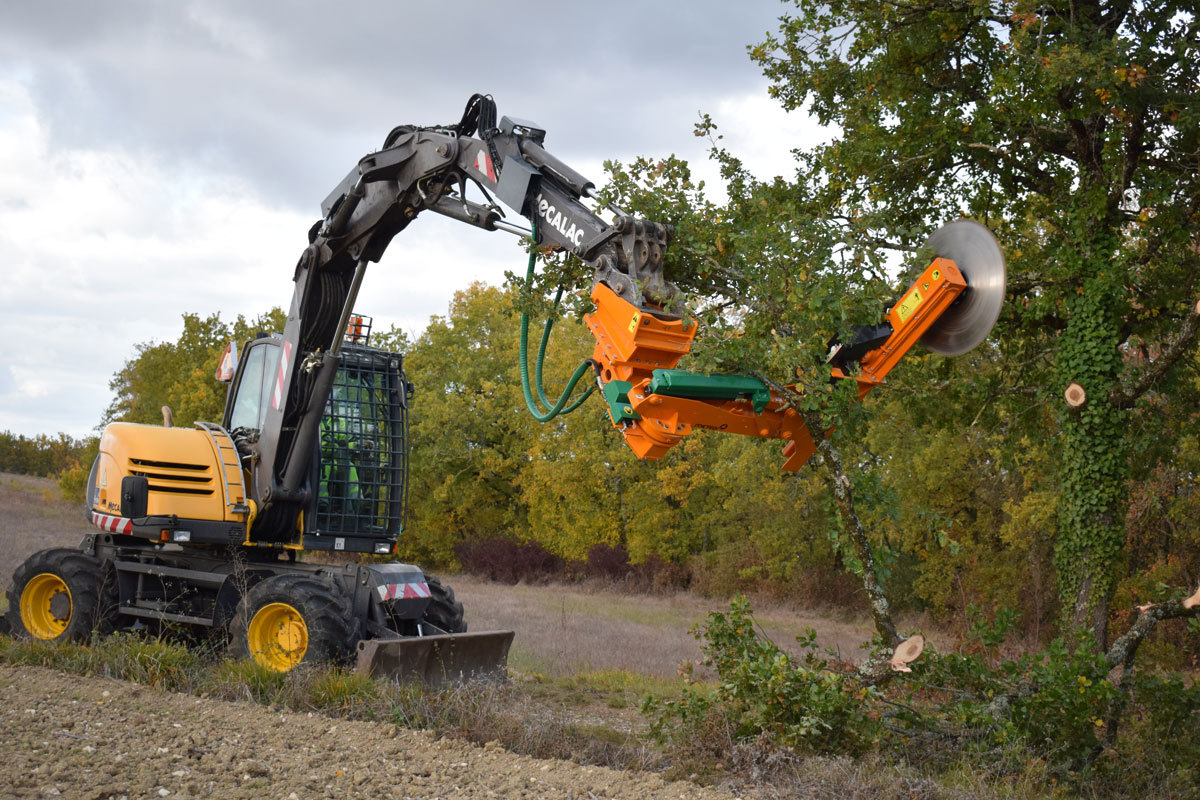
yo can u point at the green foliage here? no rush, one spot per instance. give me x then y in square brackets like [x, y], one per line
[44, 455]
[72, 478]
[763, 691]
[1159, 745]
[481, 468]
[1059, 700]
[1065, 716]
[181, 374]
[1051, 122]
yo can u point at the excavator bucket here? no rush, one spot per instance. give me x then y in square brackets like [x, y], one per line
[449, 659]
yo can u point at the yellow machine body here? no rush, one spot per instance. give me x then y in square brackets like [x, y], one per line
[190, 474]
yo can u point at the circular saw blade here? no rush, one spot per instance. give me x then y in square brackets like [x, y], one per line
[978, 257]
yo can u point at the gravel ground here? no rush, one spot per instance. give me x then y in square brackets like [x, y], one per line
[99, 739]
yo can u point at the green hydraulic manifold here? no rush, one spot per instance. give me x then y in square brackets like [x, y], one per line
[691, 385]
[681, 383]
[616, 394]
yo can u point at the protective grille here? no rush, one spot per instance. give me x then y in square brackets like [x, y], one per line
[364, 449]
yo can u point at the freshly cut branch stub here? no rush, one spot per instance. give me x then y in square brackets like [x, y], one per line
[907, 652]
[1192, 601]
[1075, 395]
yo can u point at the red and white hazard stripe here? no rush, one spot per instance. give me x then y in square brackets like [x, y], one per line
[112, 524]
[483, 163]
[286, 356]
[405, 591]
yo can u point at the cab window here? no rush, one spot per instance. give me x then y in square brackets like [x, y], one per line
[255, 388]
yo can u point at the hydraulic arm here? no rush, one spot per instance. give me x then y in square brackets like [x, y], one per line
[428, 169]
[641, 327]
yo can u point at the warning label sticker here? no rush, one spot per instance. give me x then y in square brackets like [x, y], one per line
[906, 307]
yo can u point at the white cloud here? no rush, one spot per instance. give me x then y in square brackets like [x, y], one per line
[166, 159]
[104, 250]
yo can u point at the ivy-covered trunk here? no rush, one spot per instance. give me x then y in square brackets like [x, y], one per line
[1095, 457]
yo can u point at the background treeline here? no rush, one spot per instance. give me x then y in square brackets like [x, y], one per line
[43, 455]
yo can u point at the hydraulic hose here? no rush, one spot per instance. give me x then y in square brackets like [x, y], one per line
[560, 406]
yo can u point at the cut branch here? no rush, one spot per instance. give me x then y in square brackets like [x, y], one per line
[1119, 657]
[1125, 647]
[1075, 395]
[839, 484]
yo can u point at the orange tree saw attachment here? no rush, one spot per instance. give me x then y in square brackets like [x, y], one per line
[655, 405]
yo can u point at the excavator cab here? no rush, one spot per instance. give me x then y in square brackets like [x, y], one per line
[358, 480]
[362, 459]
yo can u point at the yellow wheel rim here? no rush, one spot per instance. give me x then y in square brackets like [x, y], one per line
[278, 637]
[46, 606]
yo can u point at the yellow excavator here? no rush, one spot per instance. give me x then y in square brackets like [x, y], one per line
[203, 526]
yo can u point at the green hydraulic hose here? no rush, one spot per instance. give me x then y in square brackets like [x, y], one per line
[560, 406]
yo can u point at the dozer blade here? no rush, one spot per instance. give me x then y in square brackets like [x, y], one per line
[449, 659]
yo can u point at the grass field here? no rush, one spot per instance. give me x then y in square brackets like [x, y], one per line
[34, 516]
[561, 629]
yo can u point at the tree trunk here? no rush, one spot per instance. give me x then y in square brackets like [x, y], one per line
[1094, 464]
[839, 484]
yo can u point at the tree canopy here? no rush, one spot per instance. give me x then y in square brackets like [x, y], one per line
[1070, 129]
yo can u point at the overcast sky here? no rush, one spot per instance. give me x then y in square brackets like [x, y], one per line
[158, 158]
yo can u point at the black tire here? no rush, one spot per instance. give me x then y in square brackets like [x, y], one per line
[74, 614]
[324, 611]
[444, 611]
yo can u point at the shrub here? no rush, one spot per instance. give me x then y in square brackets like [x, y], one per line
[765, 692]
[656, 574]
[1158, 746]
[607, 561]
[507, 560]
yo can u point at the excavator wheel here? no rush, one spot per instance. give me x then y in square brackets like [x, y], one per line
[288, 620]
[444, 611]
[60, 595]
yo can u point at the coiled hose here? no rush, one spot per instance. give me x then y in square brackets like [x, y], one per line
[560, 406]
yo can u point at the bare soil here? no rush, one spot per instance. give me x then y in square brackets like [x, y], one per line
[100, 739]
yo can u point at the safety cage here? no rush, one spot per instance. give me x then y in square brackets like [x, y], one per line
[361, 474]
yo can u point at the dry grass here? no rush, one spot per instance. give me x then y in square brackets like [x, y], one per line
[566, 629]
[33, 516]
